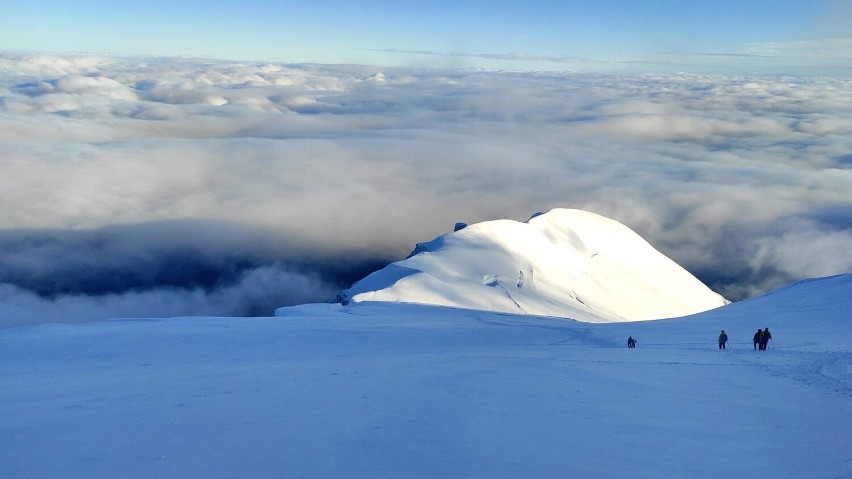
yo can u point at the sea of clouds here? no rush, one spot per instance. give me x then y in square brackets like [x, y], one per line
[162, 187]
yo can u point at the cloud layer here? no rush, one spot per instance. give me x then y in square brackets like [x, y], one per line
[743, 181]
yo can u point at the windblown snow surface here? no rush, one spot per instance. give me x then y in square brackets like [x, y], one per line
[565, 263]
[380, 389]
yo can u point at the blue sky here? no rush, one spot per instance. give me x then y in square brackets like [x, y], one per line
[752, 36]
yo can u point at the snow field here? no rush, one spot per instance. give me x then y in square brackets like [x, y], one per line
[413, 391]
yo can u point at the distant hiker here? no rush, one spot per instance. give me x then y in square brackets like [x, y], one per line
[631, 343]
[723, 338]
[757, 338]
[765, 336]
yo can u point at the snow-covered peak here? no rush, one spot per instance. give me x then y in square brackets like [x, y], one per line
[566, 263]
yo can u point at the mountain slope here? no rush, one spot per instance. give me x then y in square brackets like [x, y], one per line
[566, 263]
[418, 391]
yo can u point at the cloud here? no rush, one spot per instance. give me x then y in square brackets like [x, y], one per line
[839, 49]
[55, 65]
[813, 57]
[355, 164]
[168, 268]
[257, 293]
[515, 56]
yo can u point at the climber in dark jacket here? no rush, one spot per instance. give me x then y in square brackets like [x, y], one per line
[723, 338]
[765, 336]
[757, 338]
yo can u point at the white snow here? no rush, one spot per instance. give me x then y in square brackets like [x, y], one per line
[566, 263]
[380, 389]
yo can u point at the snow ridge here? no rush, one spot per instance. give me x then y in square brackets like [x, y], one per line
[566, 263]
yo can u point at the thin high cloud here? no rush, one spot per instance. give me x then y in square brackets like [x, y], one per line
[829, 57]
[816, 57]
[742, 180]
[828, 49]
[514, 56]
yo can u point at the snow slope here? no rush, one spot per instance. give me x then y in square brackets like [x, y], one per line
[565, 263]
[380, 389]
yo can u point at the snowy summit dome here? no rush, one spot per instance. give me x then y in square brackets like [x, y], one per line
[566, 263]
